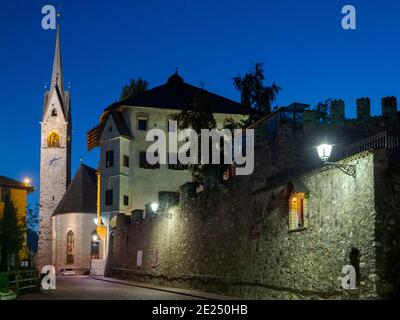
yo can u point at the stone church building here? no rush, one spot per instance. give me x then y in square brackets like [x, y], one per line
[67, 231]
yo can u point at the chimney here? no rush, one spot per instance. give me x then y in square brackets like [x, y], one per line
[363, 109]
[337, 112]
[389, 107]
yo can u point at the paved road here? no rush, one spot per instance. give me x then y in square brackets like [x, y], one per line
[85, 288]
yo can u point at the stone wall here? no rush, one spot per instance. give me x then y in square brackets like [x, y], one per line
[235, 239]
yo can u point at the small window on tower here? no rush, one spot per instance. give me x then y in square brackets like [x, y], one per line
[54, 113]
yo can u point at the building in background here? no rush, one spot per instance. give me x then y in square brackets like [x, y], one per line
[128, 182]
[18, 192]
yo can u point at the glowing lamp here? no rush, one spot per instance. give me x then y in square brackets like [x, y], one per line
[324, 151]
[154, 206]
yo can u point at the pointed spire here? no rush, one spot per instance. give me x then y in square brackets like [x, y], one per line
[57, 76]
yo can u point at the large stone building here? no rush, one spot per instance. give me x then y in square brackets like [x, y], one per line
[128, 182]
[287, 230]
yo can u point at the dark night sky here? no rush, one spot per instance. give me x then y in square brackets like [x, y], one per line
[105, 43]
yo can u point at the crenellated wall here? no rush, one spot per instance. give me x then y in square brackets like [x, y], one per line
[235, 239]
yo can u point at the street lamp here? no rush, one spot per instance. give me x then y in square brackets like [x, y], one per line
[154, 206]
[324, 153]
[27, 181]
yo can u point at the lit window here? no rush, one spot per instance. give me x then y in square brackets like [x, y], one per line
[297, 211]
[70, 247]
[53, 140]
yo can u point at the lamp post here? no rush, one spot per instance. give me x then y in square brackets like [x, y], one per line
[324, 153]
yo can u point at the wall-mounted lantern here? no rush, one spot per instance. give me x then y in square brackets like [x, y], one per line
[324, 153]
[153, 208]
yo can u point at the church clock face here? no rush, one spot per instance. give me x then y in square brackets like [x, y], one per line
[55, 164]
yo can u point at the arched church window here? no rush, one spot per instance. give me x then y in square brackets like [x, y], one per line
[70, 247]
[53, 140]
[54, 113]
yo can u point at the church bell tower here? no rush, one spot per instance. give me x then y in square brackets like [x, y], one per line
[55, 156]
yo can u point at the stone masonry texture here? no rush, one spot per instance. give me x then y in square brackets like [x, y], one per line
[235, 240]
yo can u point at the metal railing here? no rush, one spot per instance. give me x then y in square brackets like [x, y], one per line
[381, 140]
[22, 280]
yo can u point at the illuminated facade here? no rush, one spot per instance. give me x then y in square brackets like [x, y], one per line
[17, 191]
[55, 155]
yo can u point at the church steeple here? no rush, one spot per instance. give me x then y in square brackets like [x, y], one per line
[57, 77]
[55, 155]
[57, 84]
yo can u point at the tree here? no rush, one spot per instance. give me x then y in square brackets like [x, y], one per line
[32, 221]
[254, 93]
[134, 88]
[198, 117]
[10, 237]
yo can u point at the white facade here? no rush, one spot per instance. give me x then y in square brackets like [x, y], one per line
[82, 227]
[140, 185]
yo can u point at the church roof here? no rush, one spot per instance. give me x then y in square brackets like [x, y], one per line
[6, 182]
[81, 194]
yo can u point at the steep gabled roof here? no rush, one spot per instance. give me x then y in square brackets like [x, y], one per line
[177, 94]
[57, 82]
[120, 123]
[81, 194]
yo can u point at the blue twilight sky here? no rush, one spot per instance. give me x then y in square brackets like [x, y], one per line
[105, 43]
